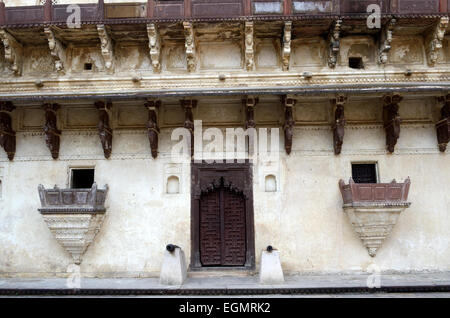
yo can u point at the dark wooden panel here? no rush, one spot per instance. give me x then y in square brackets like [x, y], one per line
[88, 12]
[169, 9]
[360, 6]
[217, 8]
[416, 6]
[234, 247]
[22, 15]
[210, 234]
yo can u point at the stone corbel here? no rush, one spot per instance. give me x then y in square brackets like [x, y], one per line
[249, 46]
[104, 129]
[7, 134]
[286, 50]
[249, 104]
[385, 41]
[13, 51]
[334, 43]
[289, 122]
[106, 46]
[339, 122]
[189, 44]
[188, 105]
[392, 120]
[154, 44]
[443, 125]
[52, 134]
[152, 125]
[57, 49]
[434, 40]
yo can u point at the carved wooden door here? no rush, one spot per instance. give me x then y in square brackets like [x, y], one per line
[222, 228]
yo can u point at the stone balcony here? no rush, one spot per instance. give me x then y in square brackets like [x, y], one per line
[373, 209]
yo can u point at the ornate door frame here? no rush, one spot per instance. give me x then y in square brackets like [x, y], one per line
[239, 176]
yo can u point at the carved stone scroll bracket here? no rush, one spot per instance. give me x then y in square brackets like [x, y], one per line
[7, 134]
[57, 49]
[443, 125]
[188, 105]
[334, 44]
[105, 131]
[289, 122]
[152, 125]
[13, 52]
[106, 45]
[286, 50]
[249, 46]
[339, 122]
[392, 120]
[154, 44]
[52, 133]
[249, 104]
[385, 40]
[189, 44]
[434, 40]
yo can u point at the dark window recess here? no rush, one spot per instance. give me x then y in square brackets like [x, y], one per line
[355, 62]
[88, 66]
[364, 173]
[82, 178]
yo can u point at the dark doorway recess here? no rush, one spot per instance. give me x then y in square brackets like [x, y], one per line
[82, 178]
[222, 230]
[364, 173]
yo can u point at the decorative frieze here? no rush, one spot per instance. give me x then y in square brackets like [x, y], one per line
[391, 120]
[385, 41]
[434, 40]
[339, 122]
[249, 104]
[443, 125]
[106, 45]
[152, 125]
[154, 44]
[373, 209]
[189, 45]
[334, 43]
[104, 128]
[286, 50]
[289, 122]
[188, 105]
[249, 46]
[52, 133]
[7, 134]
[57, 50]
[13, 51]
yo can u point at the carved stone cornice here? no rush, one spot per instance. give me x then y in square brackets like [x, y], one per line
[391, 120]
[52, 133]
[105, 131]
[107, 47]
[286, 49]
[443, 125]
[434, 40]
[385, 41]
[154, 44]
[152, 125]
[289, 122]
[188, 105]
[334, 43]
[7, 134]
[249, 46]
[57, 50]
[189, 45]
[13, 52]
[339, 122]
[249, 105]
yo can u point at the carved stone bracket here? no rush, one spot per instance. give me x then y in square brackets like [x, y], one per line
[289, 122]
[286, 50]
[187, 105]
[104, 128]
[106, 46]
[154, 44]
[57, 49]
[334, 44]
[13, 52]
[339, 122]
[7, 134]
[392, 120]
[52, 134]
[249, 46]
[249, 104]
[443, 125]
[190, 46]
[152, 125]
[434, 40]
[385, 41]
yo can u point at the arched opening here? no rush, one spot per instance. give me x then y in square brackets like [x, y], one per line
[173, 185]
[271, 183]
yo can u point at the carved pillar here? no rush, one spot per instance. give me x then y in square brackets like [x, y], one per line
[385, 41]
[106, 46]
[334, 44]
[289, 122]
[249, 104]
[249, 46]
[190, 46]
[443, 125]
[52, 134]
[152, 125]
[434, 40]
[286, 50]
[154, 44]
[187, 105]
[7, 134]
[392, 120]
[339, 122]
[57, 50]
[13, 52]
[104, 129]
